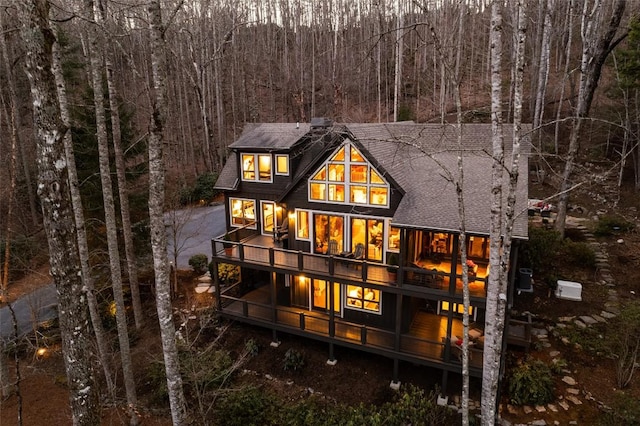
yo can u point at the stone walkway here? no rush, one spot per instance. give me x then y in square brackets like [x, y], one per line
[573, 396]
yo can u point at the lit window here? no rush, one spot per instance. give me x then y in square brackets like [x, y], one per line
[339, 156]
[321, 175]
[356, 157]
[394, 238]
[264, 166]
[282, 164]
[336, 192]
[336, 172]
[458, 308]
[359, 194]
[363, 298]
[242, 212]
[302, 224]
[359, 182]
[249, 167]
[359, 173]
[375, 177]
[318, 191]
[378, 196]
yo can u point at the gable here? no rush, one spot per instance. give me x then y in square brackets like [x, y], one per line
[347, 177]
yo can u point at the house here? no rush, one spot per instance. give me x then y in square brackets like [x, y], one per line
[348, 234]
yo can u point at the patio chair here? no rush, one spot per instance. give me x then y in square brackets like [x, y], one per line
[357, 254]
[332, 250]
[282, 231]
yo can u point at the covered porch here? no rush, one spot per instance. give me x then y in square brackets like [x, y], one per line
[426, 342]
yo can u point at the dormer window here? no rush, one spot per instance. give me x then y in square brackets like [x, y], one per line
[282, 164]
[347, 177]
[263, 171]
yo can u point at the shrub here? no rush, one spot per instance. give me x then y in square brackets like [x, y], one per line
[293, 360]
[202, 191]
[199, 263]
[251, 347]
[624, 343]
[227, 273]
[579, 254]
[625, 410]
[541, 243]
[609, 225]
[246, 406]
[531, 383]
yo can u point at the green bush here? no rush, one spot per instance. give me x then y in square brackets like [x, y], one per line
[609, 225]
[579, 254]
[155, 379]
[199, 263]
[625, 410]
[293, 360]
[541, 243]
[531, 383]
[202, 191]
[246, 407]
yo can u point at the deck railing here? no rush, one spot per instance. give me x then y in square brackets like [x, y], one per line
[291, 319]
[309, 263]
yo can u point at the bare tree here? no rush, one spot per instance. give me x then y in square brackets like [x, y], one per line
[156, 204]
[57, 212]
[123, 193]
[95, 47]
[78, 212]
[597, 44]
[502, 214]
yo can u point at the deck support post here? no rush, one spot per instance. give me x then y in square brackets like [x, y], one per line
[445, 379]
[332, 360]
[396, 370]
[274, 339]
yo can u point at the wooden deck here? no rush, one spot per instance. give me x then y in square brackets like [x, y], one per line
[264, 252]
[425, 343]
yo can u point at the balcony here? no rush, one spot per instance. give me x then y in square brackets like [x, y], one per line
[426, 342]
[262, 251]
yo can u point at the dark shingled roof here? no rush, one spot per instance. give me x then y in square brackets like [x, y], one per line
[270, 136]
[228, 177]
[422, 159]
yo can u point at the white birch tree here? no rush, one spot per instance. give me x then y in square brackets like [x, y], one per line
[156, 204]
[53, 190]
[95, 47]
[502, 213]
[78, 213]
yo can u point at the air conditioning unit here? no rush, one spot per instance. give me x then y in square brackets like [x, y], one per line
[569, 290]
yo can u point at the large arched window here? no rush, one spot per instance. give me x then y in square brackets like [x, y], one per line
[348, 178]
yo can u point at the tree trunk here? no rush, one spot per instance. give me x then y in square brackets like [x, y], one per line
[502, 216]
[57, 211]
[496, 289]
[156, 203]
[95, 50]
[123, 195]
[595, 49]
[10, 201]
[78, 213]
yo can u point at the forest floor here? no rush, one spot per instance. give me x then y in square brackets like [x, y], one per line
[357, 377]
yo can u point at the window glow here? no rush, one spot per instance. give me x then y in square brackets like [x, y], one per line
[242, 212]
[249, 167]
[363, 298]
[282, 164]
[302, 224]
[362, 183]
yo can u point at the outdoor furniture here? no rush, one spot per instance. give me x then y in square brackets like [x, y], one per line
[357, 254]
[282, 230]
[332, 250]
